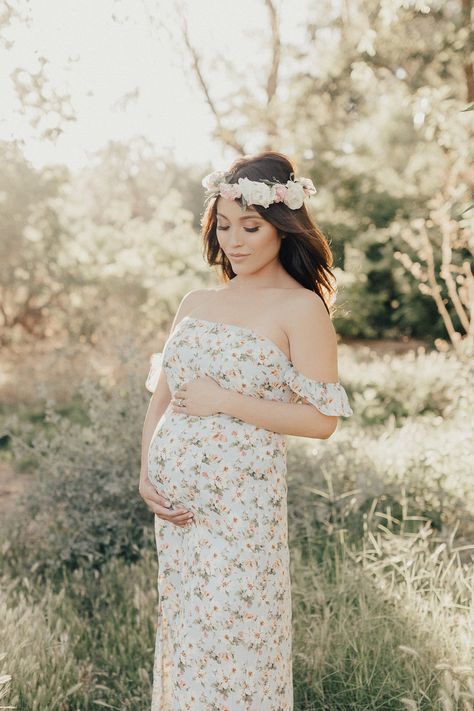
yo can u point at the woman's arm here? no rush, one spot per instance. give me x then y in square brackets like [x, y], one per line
[161, 396]
[313, 352]
[156, 501]
[159, 401]
[283, 417]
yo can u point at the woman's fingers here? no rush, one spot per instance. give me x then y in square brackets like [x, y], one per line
[182, 519]
[164, 511]
[150, 495]
[158, 504]
[180, 516]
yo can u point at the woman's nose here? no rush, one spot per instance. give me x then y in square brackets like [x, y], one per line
[235, 239]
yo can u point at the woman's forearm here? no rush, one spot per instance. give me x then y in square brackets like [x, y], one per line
[285, 418]
[153, 415]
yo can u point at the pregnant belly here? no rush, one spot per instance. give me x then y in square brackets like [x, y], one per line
[216, 463]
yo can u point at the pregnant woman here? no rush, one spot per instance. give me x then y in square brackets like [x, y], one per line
[245, 364]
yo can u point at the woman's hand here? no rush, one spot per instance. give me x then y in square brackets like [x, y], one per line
[157, 504]
[200, 396]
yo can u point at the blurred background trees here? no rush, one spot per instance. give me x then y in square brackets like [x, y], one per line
[373, 107]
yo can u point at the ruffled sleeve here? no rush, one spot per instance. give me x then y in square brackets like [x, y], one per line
[329, 398]
[154, 373]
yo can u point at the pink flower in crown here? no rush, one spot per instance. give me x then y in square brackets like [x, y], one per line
[279, 193]
[230, 191]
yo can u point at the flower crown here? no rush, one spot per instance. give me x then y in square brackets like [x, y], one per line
[259, 192]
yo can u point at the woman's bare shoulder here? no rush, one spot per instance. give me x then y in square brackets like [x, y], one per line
[192, 298]
[308, 299]
[306, 309]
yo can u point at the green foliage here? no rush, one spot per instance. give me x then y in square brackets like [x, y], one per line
[385, 299]
[114, 242]
[37, 664]
[84, 507]
[374, 108]
[408, 450]
[383, 627]
[421, 469]
[373, 625]
[387, 387]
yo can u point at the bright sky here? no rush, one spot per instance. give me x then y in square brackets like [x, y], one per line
[99, 60]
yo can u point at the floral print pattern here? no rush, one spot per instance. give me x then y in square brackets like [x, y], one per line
[224, 629]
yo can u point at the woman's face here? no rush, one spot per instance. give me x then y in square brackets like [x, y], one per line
[245, 232]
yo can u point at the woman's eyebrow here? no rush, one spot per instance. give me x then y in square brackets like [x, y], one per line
[245, 217]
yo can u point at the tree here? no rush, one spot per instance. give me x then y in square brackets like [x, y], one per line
[442, 240]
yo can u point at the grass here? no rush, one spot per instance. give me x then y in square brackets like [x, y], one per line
[381, 524]
[85, 647]
[386, 626]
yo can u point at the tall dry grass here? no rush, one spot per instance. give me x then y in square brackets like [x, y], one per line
[381, 523]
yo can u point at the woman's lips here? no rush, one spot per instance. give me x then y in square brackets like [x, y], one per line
[238, 257]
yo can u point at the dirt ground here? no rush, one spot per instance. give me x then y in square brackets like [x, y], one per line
[12, 485]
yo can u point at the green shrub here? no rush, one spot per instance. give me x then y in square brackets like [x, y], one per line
[387, 386]
[83, 507]
[380, 586]
[377, 626]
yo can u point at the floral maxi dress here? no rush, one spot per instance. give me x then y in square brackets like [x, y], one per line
[224, 634]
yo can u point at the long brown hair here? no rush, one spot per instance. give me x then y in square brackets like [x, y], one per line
[304, 253]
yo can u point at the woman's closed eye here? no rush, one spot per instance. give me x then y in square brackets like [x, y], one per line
[247, 229]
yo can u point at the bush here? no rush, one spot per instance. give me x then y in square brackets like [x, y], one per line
[408, 385]
[410, 465]
[84, 507]
[38, 663]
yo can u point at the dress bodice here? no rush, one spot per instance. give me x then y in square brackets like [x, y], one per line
[240, 359]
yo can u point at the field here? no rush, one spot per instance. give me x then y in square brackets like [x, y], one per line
[381, 521]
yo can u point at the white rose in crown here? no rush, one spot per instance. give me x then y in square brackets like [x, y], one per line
[212, 180]
[255, 193]
[295, 195]
[258, 192]
[308, 186]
